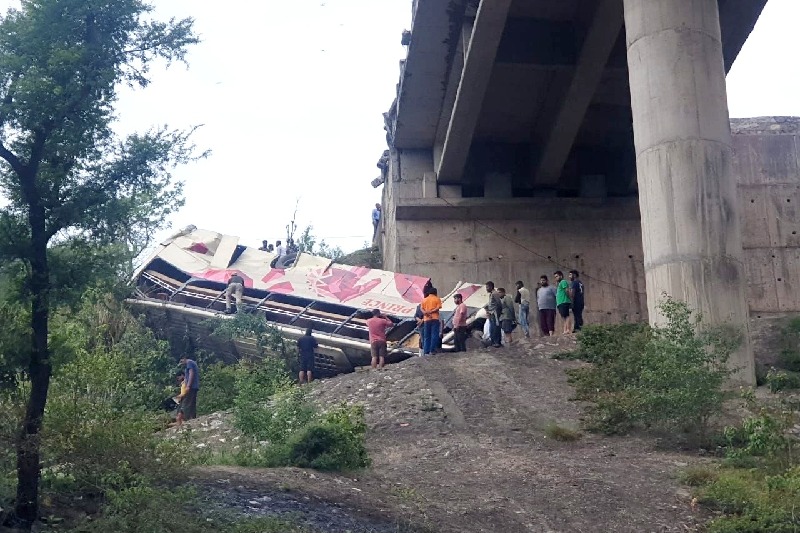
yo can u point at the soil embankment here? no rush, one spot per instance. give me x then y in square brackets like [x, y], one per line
[459, 444]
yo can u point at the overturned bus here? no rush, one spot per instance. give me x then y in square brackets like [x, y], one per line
[182, 285]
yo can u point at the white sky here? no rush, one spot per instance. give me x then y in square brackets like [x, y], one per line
[291, 92]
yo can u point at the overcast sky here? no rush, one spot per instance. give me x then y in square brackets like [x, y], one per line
[290, 95]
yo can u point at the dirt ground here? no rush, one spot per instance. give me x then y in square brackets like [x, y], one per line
[458, 443]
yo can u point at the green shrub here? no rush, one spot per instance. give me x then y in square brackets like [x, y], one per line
[268, 405]
[779, 380]
[698, 475]
[790, 345]
[96, 436]
[763, 436]
[754, 503]
[601, 344]
[669, 377]
[219, 387]
[335, 442]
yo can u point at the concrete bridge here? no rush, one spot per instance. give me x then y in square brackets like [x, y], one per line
[535, 135]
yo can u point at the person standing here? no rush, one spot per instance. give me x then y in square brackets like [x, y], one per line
[418, 316]
[377, 326]
[493, 309]
[546, 301]
[191, 377]
[264, 246]
[576, 295]
[524, 296]
[430, 321]
[376, 220]
[507, 314]
[235, 289]
[460, 324]
[306, 345]
[563, 301]
[280, 250]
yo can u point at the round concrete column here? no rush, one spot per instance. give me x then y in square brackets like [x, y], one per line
[687, 192]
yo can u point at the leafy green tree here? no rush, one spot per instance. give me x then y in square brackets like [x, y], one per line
[308, 244]
[74, 189]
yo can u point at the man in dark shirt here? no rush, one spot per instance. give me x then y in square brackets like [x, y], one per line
[576, 295]
[191, 377]
[306, 346]
[235, 289]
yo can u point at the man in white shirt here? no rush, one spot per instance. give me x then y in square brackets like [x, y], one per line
[280, 249]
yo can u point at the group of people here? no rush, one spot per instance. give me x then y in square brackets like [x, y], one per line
[279, 248]
[566, 298]
[503, 313]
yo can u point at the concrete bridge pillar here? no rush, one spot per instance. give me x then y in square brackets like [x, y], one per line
[687, 192]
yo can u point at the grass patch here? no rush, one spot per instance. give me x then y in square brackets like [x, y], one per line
[160, 510]
[698, 475]
[561, 433]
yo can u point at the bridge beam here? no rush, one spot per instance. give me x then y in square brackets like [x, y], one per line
[478, 64]
[600, 38]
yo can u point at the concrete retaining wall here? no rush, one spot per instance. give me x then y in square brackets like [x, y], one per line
[476, 239]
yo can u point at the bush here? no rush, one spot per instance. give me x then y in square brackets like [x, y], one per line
[605, 344]
[763, 436]
[669, 377]
[335, 442]
[283, 427]
[96, 436]
[754, 503]
[268, 405]
[779, 380]
[219, 387]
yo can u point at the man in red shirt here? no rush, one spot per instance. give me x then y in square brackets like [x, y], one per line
[460, 324]
[377, 326]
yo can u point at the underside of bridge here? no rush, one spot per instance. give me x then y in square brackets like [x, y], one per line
[524, 132]
[530, 99]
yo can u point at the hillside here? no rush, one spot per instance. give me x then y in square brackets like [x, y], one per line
[460, 443]
[366, 257]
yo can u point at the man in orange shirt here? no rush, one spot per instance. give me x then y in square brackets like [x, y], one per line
[430, 321]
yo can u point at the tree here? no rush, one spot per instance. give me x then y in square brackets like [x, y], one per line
[73, 187]
[308, 244]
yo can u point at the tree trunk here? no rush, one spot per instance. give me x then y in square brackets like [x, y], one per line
[28, 444]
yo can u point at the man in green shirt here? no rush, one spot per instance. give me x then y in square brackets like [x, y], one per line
[563, 301]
